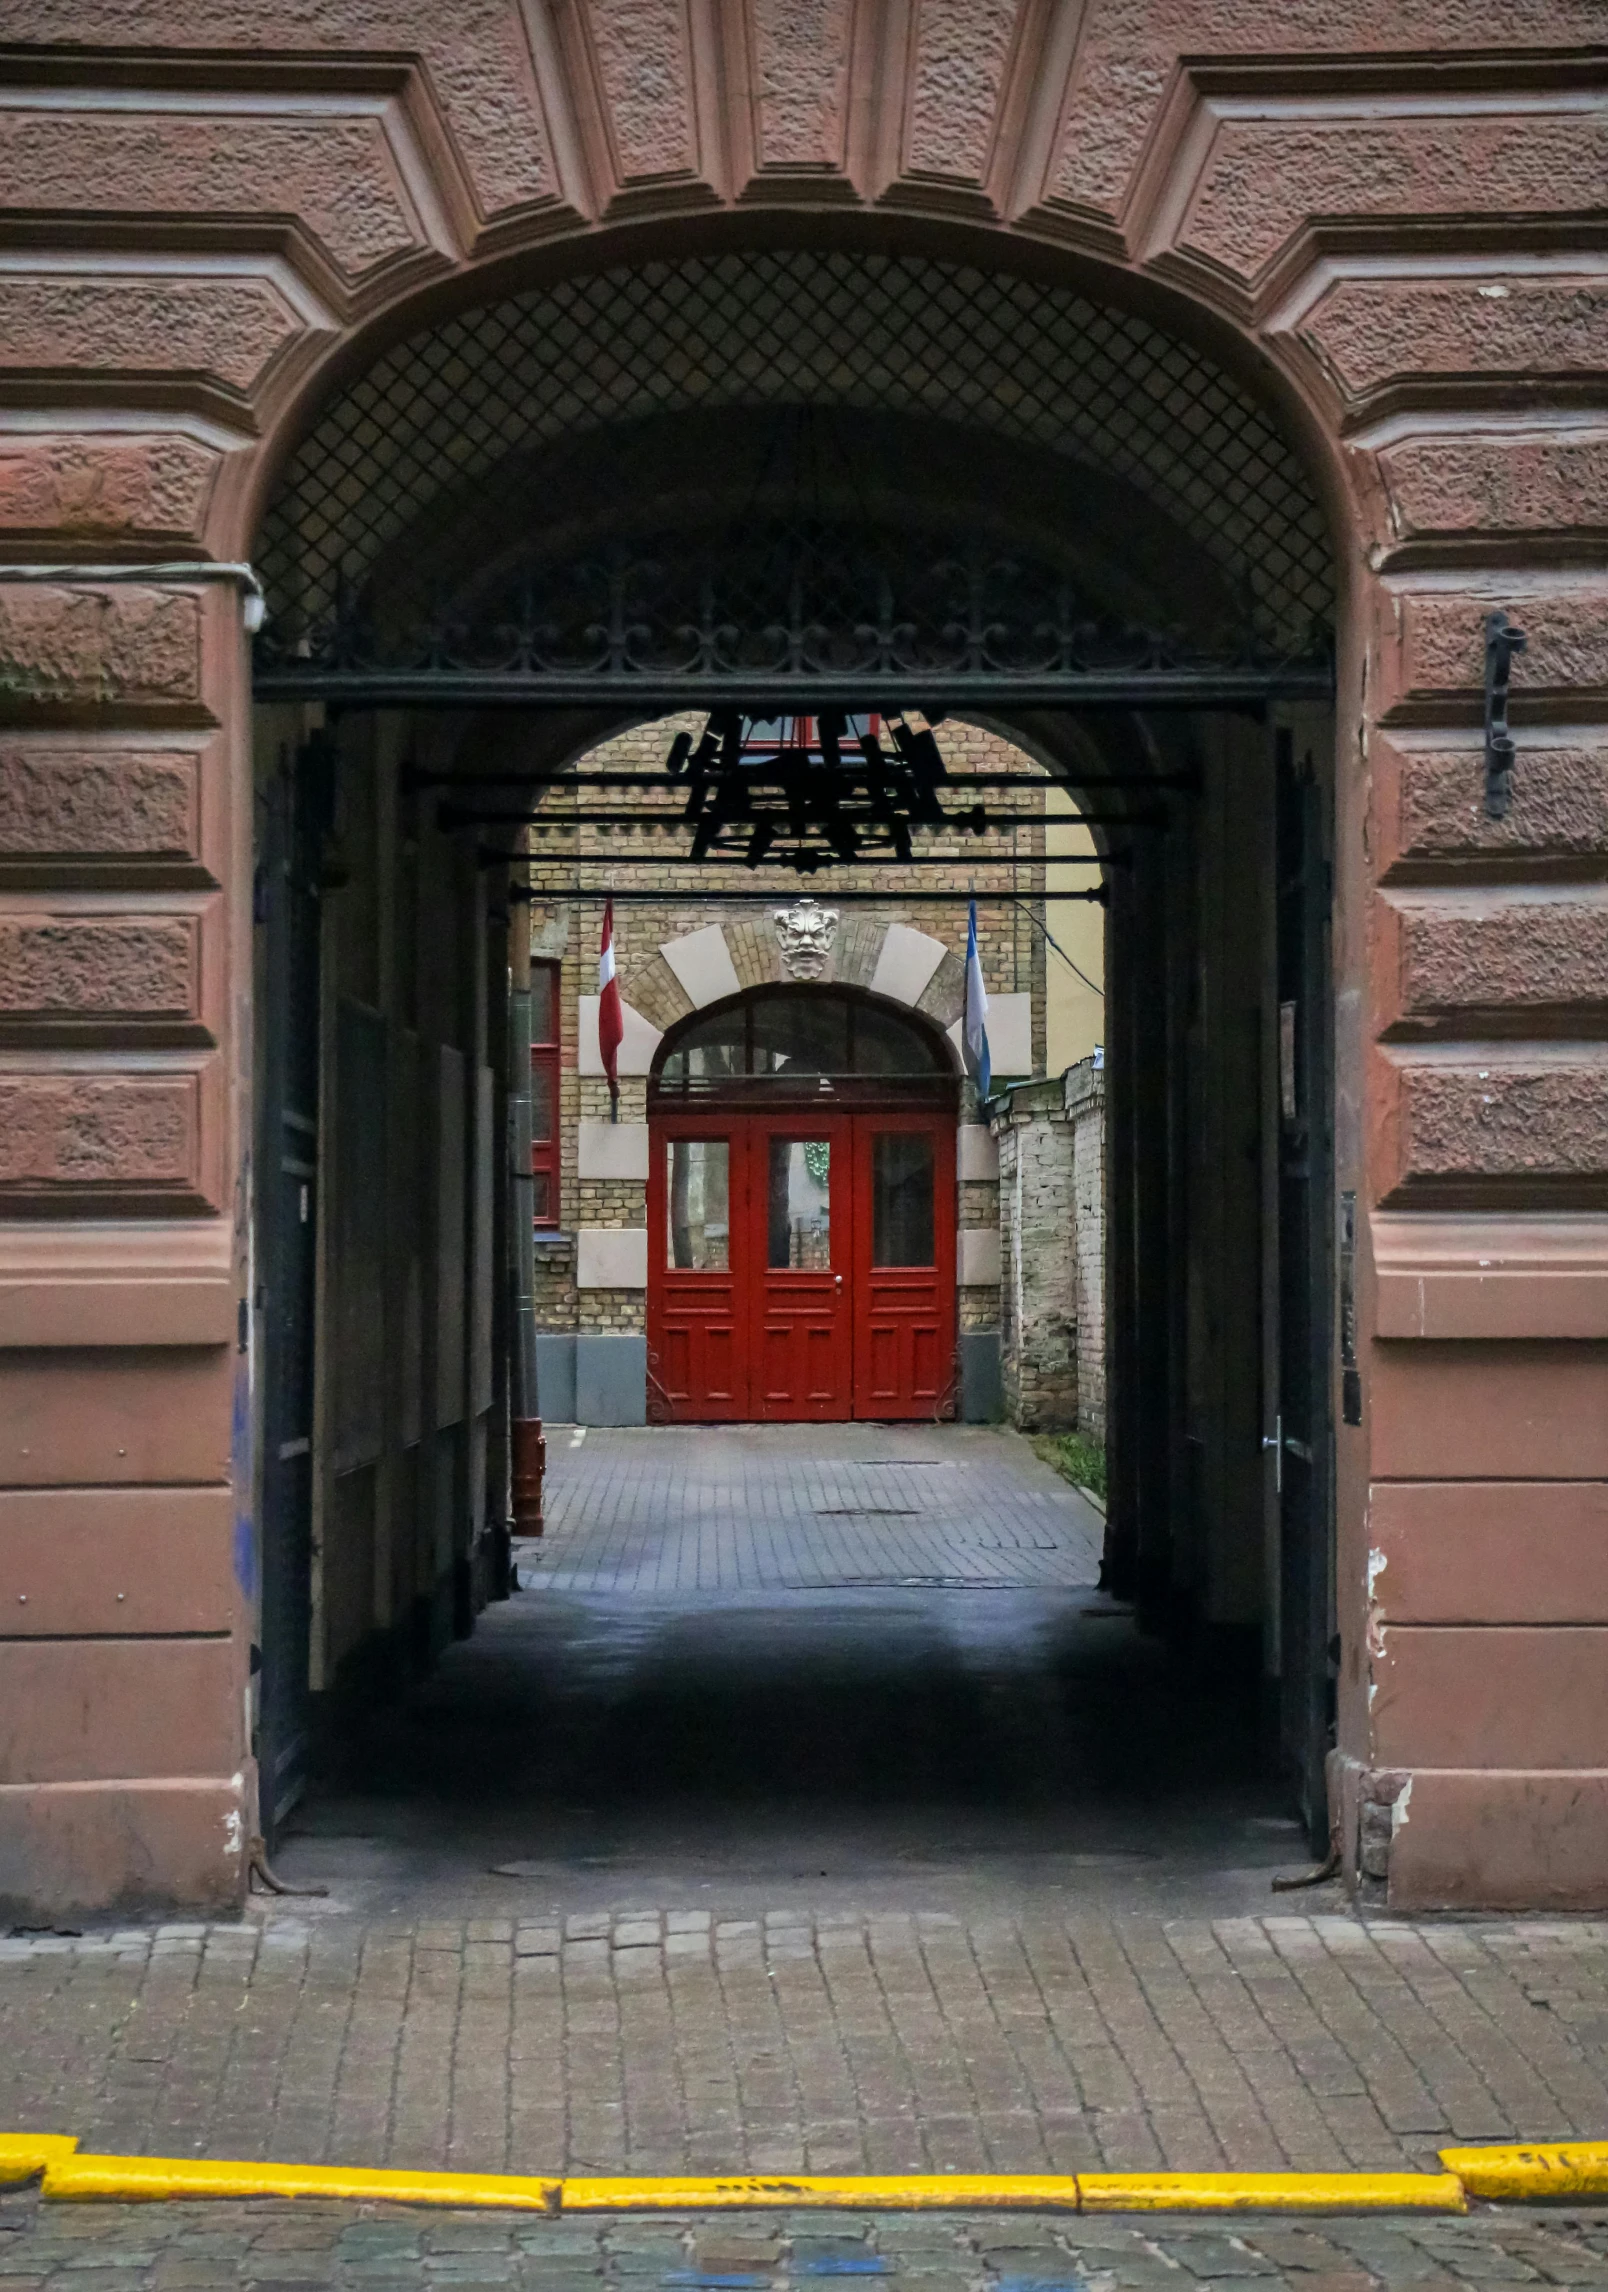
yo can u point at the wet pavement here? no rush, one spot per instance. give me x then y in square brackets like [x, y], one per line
[843, 1667]
[315, 2247]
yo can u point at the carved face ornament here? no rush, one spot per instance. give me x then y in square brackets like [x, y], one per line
[804, 933]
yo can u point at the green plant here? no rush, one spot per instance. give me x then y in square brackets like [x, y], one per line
[1076, 1458]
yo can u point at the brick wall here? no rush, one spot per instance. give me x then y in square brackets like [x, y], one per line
[1084, 1100]
[1051, 1137]
[1038, 1259]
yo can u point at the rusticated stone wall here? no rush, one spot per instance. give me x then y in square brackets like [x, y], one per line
[1385, 210]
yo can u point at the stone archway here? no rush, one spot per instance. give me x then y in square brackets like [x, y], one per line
[1397, 248]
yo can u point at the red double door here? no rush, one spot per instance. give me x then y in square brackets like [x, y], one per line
[801, 1266]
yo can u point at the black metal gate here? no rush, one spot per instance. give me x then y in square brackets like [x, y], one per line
[288, 913]
[1302, 1433]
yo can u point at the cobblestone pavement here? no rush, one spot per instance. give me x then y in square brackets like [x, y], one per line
[731, 1508]
[317, 2247]
[688, 2042]
[856, 1878]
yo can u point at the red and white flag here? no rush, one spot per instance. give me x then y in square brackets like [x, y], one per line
[610, 1016]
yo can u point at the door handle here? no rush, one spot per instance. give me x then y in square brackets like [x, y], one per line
[1275, 1441]
[1279, 1441]
[838, 1280]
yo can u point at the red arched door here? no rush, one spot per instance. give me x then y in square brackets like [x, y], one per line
[801, 1265]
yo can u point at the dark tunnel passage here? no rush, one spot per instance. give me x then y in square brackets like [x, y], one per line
[598, 1741]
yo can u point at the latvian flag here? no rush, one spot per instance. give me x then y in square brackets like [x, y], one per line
[610, 1017]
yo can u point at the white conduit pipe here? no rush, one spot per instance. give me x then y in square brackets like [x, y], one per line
[254, 604]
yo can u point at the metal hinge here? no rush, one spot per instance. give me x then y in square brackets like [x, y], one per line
[1502, 641]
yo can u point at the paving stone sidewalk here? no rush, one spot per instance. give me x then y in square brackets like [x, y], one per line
[658, 2043]
[317, 2247]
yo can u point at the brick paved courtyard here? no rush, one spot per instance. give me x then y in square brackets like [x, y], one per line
[719, 1509]
[727, 1865]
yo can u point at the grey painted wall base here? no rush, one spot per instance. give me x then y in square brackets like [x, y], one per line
[604, 1380]
[982, 1386]
[611, 1380]
[555, 1377]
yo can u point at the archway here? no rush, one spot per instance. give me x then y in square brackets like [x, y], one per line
[814, 480]
[225, 219]
[1163, 525]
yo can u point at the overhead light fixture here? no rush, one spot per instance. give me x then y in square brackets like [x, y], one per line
[826, 783]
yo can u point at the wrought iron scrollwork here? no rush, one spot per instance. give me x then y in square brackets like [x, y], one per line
[779, 612]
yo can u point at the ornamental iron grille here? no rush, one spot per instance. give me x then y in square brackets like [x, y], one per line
[798, 600]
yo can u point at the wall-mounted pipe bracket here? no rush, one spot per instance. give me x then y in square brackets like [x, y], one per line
[1502, 641]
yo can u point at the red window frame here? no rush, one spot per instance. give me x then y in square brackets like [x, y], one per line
[544, 1095]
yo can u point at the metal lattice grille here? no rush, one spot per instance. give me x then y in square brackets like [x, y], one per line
[1032, 363]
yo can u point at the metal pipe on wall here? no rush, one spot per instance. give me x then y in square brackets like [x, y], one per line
[527, 1443]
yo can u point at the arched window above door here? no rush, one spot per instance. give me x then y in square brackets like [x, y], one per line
[806, 1040]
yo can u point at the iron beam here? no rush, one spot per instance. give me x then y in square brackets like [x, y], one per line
[1227, 687]
[721, 859]
[526, 893]
[544, 784]
[474, 815]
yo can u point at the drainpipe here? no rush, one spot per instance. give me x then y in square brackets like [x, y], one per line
[527, 1444]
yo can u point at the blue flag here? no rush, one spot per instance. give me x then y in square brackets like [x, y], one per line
[974, 1026]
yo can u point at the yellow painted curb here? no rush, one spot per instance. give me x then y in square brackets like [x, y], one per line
[897, 2192]
[136, 2179]
[1543, 2169]
[1271, 2192]
[1573, 2169]
[22, 2155]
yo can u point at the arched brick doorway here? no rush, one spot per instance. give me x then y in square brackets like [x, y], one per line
[1353, 215]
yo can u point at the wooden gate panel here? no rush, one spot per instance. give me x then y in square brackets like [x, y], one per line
[800, 1247]
[904, 1265]
[698, 1356]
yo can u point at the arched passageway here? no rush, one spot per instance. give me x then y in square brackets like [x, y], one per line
[916, 495]
[1034, 277]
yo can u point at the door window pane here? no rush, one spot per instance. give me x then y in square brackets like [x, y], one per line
[698, 1205]
[801, 1034]
[886, 1044]
[541, 1198]
[543, 1079]
[800, 1204]
[713, 1051]
[544, 1002]
[901, 1198]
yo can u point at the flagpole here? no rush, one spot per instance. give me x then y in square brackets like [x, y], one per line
[610, 1017]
